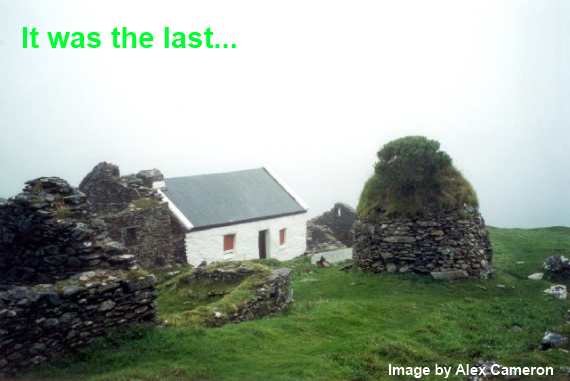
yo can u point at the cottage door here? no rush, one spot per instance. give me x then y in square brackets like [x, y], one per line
[262, 242]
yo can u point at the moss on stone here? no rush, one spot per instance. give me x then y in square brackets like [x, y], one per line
[63, 213]
[145, 203]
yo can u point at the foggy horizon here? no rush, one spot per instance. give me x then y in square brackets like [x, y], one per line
[489, 81]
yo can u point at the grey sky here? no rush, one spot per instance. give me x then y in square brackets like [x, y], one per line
[313, 89]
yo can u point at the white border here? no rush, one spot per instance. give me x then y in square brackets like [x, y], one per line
[177, 213]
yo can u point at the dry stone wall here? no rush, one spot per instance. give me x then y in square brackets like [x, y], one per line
[47, 234]
[136, 215]
[63, 281]
[449, 245]
[43, 321]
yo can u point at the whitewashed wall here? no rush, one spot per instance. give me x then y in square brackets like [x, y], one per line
[207, 245]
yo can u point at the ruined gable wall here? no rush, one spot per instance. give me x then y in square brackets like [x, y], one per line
[63, 281]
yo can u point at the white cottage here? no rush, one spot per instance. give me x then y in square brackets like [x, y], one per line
[239, 215]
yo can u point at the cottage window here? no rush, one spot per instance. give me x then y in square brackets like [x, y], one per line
[229, 243]
[282, 236]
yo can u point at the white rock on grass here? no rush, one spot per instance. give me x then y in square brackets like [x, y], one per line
[559, 291]
[536, 276]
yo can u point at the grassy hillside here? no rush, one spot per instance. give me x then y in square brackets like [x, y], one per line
[349, 326]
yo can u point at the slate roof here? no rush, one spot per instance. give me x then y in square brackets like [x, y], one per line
[229, 198]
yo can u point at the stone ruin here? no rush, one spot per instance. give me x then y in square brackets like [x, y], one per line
[63, 281]
[230, 292]
[449, 245]
[331, 230]
[136, 215]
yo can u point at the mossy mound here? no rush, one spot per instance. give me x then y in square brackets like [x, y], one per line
[224, 292]
[413, 176]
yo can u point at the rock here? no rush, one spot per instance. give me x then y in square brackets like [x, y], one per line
[558, 291]
[450, 275]
[557, 267]
[552, 340]
[391, 268]
[71, 290]
[399, 239]
[536, 276]
[150, 176]
[86, 276]
[107, 305]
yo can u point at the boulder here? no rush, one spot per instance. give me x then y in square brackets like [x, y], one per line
[559, 291]
[536, 276]
[557, 267]
[552, 340]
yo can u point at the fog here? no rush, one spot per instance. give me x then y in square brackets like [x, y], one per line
[313, 89]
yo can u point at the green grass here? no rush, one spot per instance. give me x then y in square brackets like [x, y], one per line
[350, 325]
